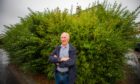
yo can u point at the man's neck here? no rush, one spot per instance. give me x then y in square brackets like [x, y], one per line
[64, 45]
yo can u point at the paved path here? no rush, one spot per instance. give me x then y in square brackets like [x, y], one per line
[6, 77]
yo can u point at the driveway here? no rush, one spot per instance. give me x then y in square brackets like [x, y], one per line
[6, 77]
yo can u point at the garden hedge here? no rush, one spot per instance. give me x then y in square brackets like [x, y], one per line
[101, 34]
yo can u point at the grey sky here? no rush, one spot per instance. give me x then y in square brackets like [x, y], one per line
[10, 10]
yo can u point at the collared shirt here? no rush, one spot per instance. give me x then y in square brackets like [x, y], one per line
[64, 52]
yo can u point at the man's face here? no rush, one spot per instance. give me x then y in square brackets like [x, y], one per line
[64, 39]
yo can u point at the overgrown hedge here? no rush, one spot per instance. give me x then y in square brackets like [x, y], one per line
[1, 42]
[101, 35]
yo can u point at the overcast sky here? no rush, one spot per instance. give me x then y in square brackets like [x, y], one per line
[10, 10]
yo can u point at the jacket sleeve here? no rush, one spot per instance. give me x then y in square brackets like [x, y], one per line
[71, 61]
[52, 58]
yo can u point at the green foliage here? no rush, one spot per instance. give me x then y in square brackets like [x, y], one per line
[101, 34]
[1, 43]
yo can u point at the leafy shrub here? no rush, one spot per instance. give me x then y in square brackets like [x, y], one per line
[1, 40]
[101, 34]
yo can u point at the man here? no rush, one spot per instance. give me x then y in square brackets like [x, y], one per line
[64, 57]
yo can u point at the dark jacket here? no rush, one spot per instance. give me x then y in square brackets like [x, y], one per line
[71, 63]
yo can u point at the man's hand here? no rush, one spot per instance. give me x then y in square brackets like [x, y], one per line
[64, 58]
[55, 56]
[57, 64]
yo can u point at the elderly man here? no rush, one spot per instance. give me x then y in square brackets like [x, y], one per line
[64, 57]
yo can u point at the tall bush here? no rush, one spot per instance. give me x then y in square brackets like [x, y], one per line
[101, 35]
[1, 43]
